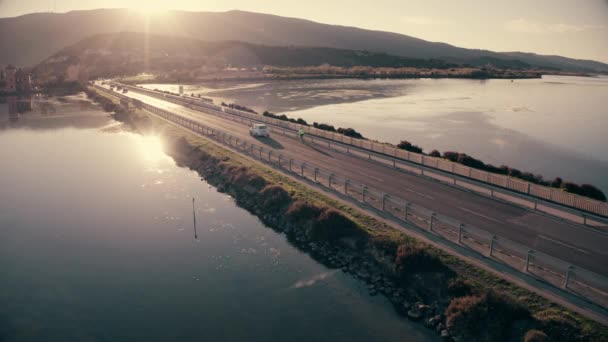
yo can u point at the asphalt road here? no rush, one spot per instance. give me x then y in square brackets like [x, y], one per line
[582, 247]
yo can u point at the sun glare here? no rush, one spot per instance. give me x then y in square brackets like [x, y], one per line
[150, 10]
[151, 148]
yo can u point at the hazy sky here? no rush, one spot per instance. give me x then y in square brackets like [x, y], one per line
[573, 28]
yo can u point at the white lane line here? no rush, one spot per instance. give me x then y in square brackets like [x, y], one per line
[564, 244]
[480, 215]
[419, 193]
[372, 177]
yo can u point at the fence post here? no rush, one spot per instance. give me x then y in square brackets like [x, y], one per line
[316, 171]
[261, 149]
[528, 259]
[280, 160]
[405, 210]
[329, 181]
[290, 162]
[346, 182]
[584, 219]
[384, 198]
[431, 221]
[270, 155]
[364, 192]
[302, 169]
[460, 231]
[492, 244]
[568, 275]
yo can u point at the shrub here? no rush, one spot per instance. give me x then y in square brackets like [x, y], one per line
[324, 127]
[332, 225]
[452, 156]
[535, 336]
[242, 177]
[301, 211]
[486, 317]
[458, 287]
[557, 182]
[592, 192]
[435, 153]
[415, 259]
[350, 132]
[406, 145]
[274, 197]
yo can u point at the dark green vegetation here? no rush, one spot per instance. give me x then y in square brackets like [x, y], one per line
[586, 190]
[47, 33]
[239, 107]
[349, 132]
[470, 303]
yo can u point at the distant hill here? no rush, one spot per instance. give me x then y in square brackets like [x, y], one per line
[28, 39]
[122, 53]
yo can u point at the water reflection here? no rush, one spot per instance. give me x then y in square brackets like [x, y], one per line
[88, 253]
[43, 112]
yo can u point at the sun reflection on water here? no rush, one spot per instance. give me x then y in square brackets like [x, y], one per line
[151, 149]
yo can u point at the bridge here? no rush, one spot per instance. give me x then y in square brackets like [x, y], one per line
[525, 236]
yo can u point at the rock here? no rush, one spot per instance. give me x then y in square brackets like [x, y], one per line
[440, 327]
[445, 334]
[414, 314]
[431, 323]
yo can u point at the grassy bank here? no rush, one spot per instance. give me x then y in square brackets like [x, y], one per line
[447, 294]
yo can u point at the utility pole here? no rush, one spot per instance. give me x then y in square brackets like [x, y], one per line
[194, 219]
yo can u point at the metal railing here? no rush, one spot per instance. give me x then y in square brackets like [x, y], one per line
[555, 271]
[498, 186]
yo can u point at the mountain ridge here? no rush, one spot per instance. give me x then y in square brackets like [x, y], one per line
[47, 33]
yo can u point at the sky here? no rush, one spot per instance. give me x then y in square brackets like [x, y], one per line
[572, 28]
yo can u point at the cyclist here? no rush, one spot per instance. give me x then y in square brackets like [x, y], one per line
[301, 134]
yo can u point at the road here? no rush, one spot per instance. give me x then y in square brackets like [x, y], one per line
[570, 242]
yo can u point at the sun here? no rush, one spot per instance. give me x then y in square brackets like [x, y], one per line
[150, 9]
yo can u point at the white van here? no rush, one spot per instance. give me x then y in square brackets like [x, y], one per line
[259, 130]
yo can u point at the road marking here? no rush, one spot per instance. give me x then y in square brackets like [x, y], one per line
[564, 244]
[480, 215]
[372, 177]
[419, 193]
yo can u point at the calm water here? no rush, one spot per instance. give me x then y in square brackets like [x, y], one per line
[97, 244]
[555, 126]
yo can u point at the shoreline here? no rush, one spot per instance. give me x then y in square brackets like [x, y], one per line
[387, 260]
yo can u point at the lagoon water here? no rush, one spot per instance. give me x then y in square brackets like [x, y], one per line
[97, 243]
[554, 126]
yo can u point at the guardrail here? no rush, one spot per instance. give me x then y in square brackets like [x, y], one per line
[557, 272]
[500, 187]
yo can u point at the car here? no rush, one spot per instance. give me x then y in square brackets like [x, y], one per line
[259, 130]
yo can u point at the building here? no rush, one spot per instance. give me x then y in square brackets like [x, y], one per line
[23, 81]
[13, 80]
[10, 79]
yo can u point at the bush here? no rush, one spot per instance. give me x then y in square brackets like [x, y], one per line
[435, 153]
[349, 132]
[274, 197]
[414, 259]
[332, 225]
[486, 317]
[324, 127]
[301, 211]
[406, 145]
[535, 336]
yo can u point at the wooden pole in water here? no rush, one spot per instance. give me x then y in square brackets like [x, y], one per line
[194, 219]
